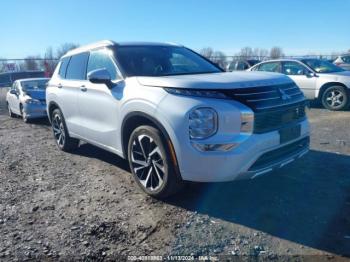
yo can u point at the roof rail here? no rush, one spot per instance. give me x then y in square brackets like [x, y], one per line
[88, 47]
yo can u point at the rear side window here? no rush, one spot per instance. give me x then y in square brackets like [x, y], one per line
[270, 67]
[77, 67]
[63, 67]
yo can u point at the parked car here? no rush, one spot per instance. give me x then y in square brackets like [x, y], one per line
[175, 115]
[7, 79]
[343, 61]
[240, 65]
[318, 79]
[26, 98]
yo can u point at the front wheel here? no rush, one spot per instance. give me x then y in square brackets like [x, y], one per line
[151, 164]
[63, 141]
[10, 111]
[335, 98]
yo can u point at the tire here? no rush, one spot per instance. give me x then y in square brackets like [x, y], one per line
[60, 132]
[25, 119]
[335, 98]
[151, 164]
[10, 111]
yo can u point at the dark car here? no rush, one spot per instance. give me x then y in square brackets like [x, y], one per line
[241, 65]
[7, 79]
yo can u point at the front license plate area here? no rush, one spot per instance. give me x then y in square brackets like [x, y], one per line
[289, 133]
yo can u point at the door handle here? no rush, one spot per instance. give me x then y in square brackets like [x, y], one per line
[83, 88]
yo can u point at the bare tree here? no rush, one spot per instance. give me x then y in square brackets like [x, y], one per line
[64, 48]
[246, 53]
[219, 58]
[49, 63]
[207, 52]
[260, 53]
[276, 52]
[31, 63]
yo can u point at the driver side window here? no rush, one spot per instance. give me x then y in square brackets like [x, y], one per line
[293, 68]
[100, 59]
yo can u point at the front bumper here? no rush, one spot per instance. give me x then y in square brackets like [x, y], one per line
[35, 110]
[248, 160]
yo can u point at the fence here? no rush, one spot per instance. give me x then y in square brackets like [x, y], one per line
[48, 65]
[32, 64]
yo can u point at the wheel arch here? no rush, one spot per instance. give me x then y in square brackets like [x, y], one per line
[329, 84]
[135, 119]
[52, 106]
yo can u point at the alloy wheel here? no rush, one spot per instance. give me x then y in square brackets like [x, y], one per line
[147, 162]
[58, 130]
[334, 98]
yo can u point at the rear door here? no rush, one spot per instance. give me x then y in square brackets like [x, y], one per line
[299, 74]
[72, 77]
[98, 104]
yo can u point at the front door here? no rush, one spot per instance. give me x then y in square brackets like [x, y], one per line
[98, 104]
[299, 74]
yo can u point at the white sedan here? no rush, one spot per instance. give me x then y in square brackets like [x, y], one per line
[26, 98]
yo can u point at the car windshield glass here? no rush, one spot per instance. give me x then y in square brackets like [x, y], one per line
[33, 85]
[321, 66]
[162, 61]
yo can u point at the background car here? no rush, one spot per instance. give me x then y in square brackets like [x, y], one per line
[26, 98]
[343, 61]
[7, 79]
[318, 79]
[240, 65]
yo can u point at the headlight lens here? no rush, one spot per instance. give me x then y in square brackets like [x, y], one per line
[203, 123]
[33, 101]
[247, 122]
[196, 92]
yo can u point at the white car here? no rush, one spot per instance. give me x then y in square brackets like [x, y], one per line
[26, 98]
[343, 61]
[318, 79]
[175, 115]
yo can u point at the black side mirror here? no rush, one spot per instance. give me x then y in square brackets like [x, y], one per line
[310, 74]
[100, 76]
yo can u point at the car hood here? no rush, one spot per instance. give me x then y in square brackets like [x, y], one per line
[337, 76]
[36, 94]
[216, 80]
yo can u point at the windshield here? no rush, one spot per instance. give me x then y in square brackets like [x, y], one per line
[321, 66]
[162, 61]
[34, 85]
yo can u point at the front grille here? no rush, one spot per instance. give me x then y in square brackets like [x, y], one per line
[274, 119]
[280, 154]
[274, 106]
[263, 98]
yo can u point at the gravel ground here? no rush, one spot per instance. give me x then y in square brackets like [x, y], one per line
[85, 204]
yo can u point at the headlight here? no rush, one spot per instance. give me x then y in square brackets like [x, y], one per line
[196, 92]
[203, 123]
[32, 101]
[247, 122]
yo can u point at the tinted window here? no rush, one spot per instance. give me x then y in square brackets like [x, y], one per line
[162, 61]
[63, 67]
[101, 59]
[77, 67]
[293, 68]
[242, 66]
[320, 66]
[24, 75]
[270, 67]
[346, 59]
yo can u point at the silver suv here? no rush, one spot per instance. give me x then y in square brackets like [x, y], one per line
[318, 79]
[175, 115]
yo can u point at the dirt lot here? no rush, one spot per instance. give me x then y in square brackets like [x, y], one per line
[86, 205]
